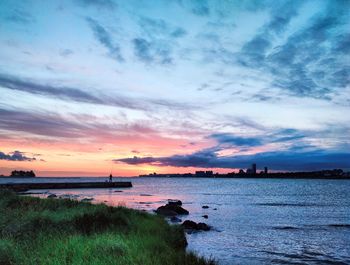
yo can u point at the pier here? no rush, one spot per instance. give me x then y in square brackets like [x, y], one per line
[65, 185]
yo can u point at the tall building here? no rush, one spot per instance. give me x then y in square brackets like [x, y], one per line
[254, 169]
[265, 170]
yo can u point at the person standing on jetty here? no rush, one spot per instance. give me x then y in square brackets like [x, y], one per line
[110, 177]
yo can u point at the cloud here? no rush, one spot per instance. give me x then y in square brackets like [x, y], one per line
[78, 95]
[103, 36]
[309, 62]
[200, 8]
[160, 29]
[40, 124]
[279, 160]
[65, 52]
[287, 135]
[152, 52]
[105, 4]
[157, 40]
[57, 91]
[19, 16]
[226, 138]
[15, 156]
[295, 152]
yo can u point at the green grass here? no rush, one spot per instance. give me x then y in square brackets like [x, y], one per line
[37, 231]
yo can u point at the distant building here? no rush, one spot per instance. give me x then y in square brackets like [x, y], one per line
[203, 174]
[265, 170]
[200, 173]
[249, 171]
[254, 169]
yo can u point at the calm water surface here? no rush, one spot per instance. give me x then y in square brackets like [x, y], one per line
[255, 221]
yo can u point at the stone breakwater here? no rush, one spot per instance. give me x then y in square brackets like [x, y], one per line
[65, 185]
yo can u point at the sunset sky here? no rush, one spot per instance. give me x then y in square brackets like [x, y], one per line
[90, 86]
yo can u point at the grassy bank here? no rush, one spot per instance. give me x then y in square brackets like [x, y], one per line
[56, 231]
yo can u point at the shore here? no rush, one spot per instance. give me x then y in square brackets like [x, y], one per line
[62, 231]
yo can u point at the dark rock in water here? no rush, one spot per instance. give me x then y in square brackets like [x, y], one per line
[175, 219]
[118, 191]
[203, 226]
[188, 224]
[166, 212]
[193, 226]
[205, 216]
[175, 202]
[52, 196]
[215, 209]
[172, 207]
[205, 207]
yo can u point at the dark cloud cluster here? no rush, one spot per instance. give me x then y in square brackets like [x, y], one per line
[297, 154]
[39, 124]
[78, 95]
[226, 138]
[310, 62]
[15, 156]
[157, 41]
[104, 37]
[279, 160]
[150, 52]
[288, 135]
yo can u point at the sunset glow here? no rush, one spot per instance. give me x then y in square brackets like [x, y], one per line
[136, 87]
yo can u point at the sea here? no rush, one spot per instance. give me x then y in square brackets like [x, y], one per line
[254, 221]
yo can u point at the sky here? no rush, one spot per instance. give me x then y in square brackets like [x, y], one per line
[134, 87]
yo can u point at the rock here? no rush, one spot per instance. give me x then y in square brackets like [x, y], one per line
[203, 226]
[205, 216]
[166, 212]
[118, 191]
[215, 209]
[193, 226]
[52, 196]
[172, 207]
[175, 202]
[188, 224]
[205, 206]
[175, 219]
[86, 199]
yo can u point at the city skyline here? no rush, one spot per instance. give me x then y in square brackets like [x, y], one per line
[135, 87]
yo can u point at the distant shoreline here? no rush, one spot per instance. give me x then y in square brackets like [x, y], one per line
[323, 174]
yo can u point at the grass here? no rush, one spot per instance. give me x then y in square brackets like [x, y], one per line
[37, 231]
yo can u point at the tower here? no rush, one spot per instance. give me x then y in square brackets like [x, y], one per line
[254, 169]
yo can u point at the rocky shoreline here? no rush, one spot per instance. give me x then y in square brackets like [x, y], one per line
[173, 209]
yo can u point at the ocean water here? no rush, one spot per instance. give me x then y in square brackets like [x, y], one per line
[255, 221]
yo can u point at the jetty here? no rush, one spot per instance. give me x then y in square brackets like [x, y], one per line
[65, 185]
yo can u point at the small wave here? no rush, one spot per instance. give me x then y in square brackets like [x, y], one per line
[286, 228]
[340, 225]
[144, 194]
[304, 256]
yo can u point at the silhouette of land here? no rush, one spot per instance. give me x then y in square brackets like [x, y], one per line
[252, 173]
[21, 174]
